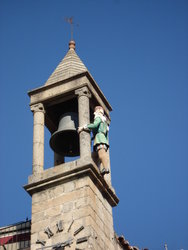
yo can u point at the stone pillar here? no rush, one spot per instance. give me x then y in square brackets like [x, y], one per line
[58, 159]
[84, 118]
[38, 137]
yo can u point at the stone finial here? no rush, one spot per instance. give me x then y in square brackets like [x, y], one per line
[72, 44]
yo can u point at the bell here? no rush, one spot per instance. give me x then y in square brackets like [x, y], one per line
[65, 141]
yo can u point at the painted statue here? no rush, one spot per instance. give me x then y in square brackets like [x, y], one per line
[100, 130]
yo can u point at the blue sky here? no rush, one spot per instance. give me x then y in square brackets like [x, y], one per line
[137, 51]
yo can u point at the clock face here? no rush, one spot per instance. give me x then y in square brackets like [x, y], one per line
[71, 242]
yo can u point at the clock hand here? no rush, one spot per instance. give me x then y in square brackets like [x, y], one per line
[63, 244]
[70, 226]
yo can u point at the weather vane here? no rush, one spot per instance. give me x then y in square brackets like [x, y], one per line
[70, 21]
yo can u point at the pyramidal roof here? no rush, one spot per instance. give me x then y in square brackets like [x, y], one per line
[71, 65]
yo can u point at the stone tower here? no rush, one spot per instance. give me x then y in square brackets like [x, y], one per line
[71, 202]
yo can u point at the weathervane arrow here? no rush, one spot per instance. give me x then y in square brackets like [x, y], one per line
[70, 21]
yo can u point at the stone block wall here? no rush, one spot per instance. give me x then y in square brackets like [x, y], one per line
[78, 204]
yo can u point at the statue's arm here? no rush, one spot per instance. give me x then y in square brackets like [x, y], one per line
[95, 124]
[90, 126]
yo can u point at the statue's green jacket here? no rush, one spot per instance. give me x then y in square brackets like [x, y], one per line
[99, 130]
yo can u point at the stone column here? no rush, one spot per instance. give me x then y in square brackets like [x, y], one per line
[58, 159]
[38, 137]
[84, 118]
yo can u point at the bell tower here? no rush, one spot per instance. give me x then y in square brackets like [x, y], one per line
[71, 201]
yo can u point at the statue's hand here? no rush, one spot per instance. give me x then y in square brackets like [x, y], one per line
[80, 129]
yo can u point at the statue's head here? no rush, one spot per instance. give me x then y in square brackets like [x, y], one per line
[99, 109]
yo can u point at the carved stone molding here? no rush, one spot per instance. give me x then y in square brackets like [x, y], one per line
[39, 107]
[83, 92]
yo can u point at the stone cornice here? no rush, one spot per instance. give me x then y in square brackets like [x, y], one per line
[44, 88]
[69, 171]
